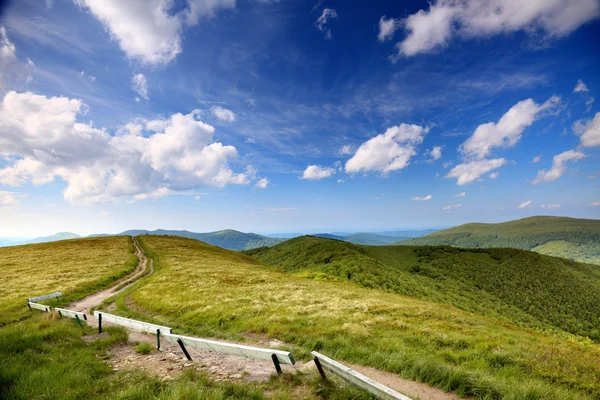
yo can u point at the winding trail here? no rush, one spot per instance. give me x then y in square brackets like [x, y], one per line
[94, 300]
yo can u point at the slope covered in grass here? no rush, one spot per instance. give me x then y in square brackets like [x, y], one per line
[572, 238]
[211, 292]
[76, 267]
[514, 285]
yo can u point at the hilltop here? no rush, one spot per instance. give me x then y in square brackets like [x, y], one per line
[514, 285]
[572, 238]
[367, 238]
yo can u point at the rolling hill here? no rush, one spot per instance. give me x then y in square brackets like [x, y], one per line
[366, 238]
[227, 239]
[572, 238]
[514, 285]
[213, 292]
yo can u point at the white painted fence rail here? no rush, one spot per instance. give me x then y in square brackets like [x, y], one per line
[44, 297]
[39, 306]
[284, 357]
[355, 378]
[71, 314]
[133, 324]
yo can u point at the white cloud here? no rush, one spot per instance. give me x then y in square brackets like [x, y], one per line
[11, 68]
[9, 198]
[321, 22]
[461, 194]
[550, 206]
[595, 204]
[345, 150]
[590, 131]
[144, 159]
[389, 151]
[387, 27]
[558, 166]
[262, 184]
[140, 85]
[425, 198]
[250, 140]
[316, 172]
[340, 181]
[436, 153]
[494, 175]
[87, 76]
[526, 204]
[431, 29]
[146, 29]
[589, 103]
[536, 159]
[451, 206]
[580, 87]
[508, 130]
[223, 113]
[468, 172]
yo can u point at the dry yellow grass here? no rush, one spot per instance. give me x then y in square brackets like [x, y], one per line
[75, 267]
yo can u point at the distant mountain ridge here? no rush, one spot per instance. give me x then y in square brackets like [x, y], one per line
[572, 238]
[365, 238]
[228, 238]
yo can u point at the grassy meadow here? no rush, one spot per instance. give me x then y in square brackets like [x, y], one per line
[517, 286]
[210, 292]
[43, 357]
[74, 267]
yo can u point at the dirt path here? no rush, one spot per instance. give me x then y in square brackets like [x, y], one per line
[412, 389]
[94, 300]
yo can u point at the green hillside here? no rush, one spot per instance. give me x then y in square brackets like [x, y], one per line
[513, 285]
[572, 238]
[211, 292]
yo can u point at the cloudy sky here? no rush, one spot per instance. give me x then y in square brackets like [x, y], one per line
[279, 116]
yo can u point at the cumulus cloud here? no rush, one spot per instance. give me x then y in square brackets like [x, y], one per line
[316, 172]
[558, 166]
[595, 204]
[508, 130]
[468, 172]
[580, 87]
[461, 194]
[494, 175]
[424, 198]
[536, 159]
[389, 151]
[550, 206]
[45, 140]
[140, 85]
[387, 27]
[589, 131]
[262, 183]
[526, 204]
[321, 22]
[451, 206]
[435, 153]
[147, 30]
[223, 113]
[428, 30]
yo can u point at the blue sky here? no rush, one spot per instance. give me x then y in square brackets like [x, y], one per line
[279, 116]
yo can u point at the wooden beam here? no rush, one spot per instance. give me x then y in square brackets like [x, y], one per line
[284, 357]
[38, 306]
[355, 378]
[45, 297]
[71, 314]
[132, 323]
